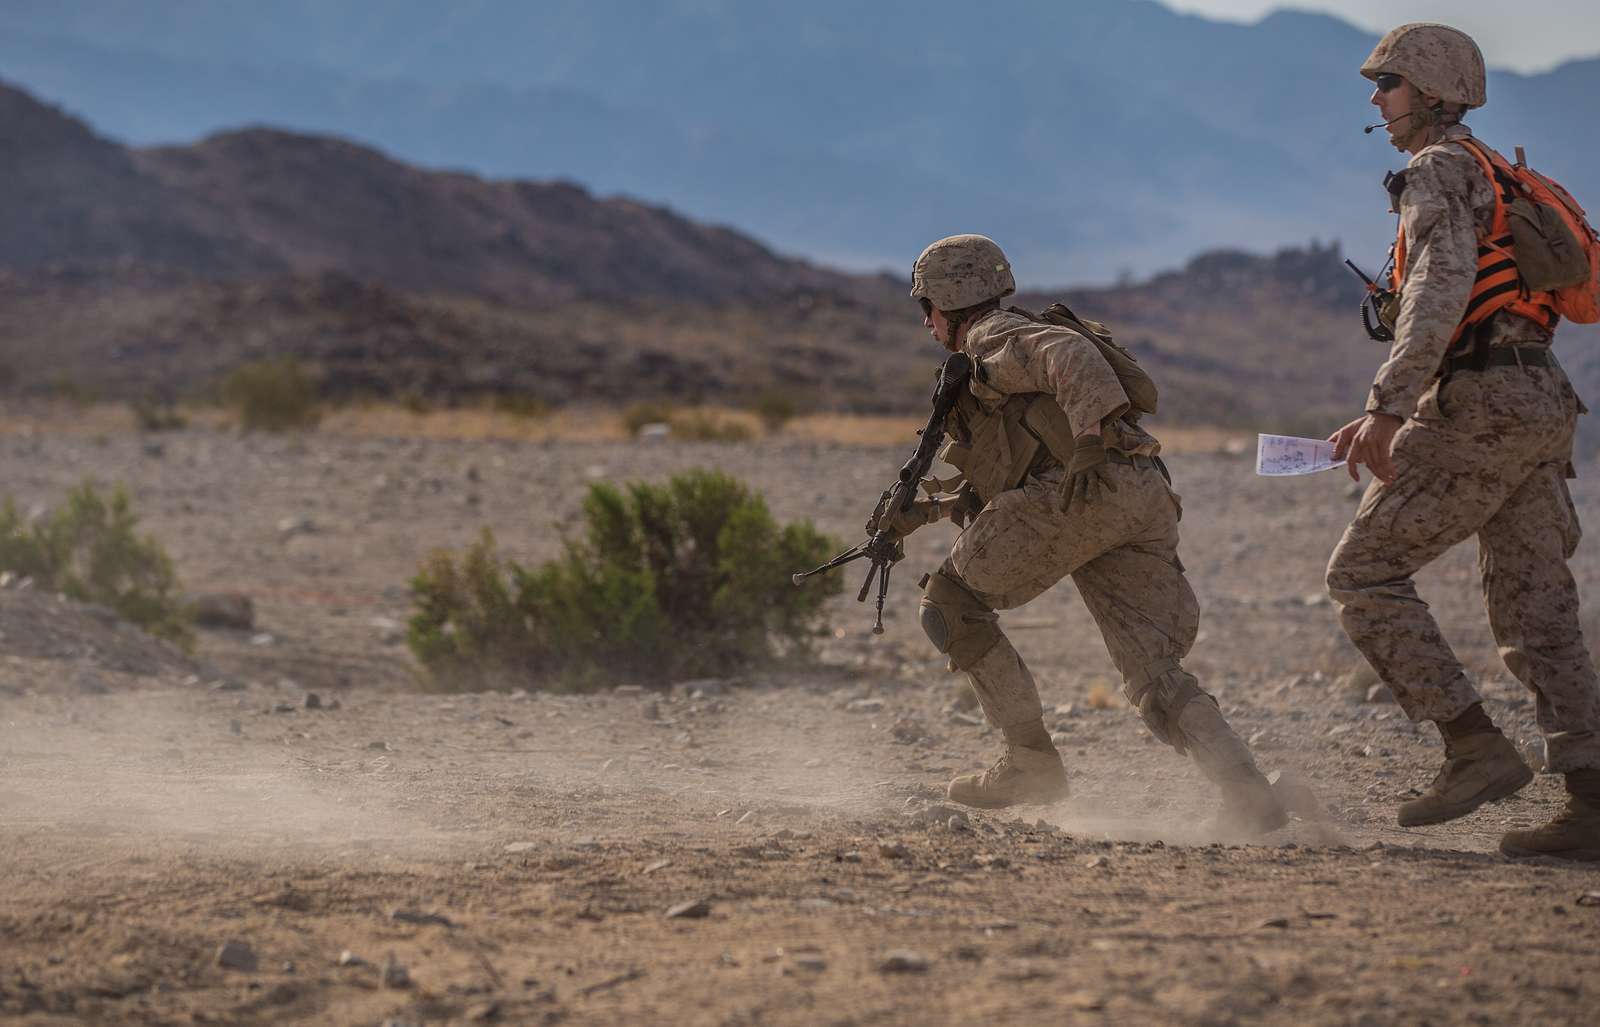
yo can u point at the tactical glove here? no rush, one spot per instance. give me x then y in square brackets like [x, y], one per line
[901, 523]
[1087, 473]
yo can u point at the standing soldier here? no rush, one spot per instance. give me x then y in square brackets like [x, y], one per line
[1468, 431]
[1063, 481]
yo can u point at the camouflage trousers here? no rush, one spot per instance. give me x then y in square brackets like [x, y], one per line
[1121, 552]
[1485, 455]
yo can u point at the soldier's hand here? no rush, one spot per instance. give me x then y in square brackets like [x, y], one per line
[901, 523]
[1368, 440]
[1088, 474]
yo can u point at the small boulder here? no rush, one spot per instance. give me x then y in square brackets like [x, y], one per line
[237, 955]
[232, 610]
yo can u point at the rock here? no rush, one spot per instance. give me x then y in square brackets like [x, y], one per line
[655, 431]
[379, 747]
[863, 706]
[395, 974]
[1279, 923]
[810, 962]
[1096, 863]
[285, 707]
[1380, 694]
[233, 610]
[903, 961]
[907, 730]
[262, 640]
[417, 916]
[704, 688]
[289, 527]
[1589, 898]
[348, 958]
[893, 850]
[516, 847]
[313, 701]
[228, 686]
[698, 909]
[749, 815]
[237, 955]
[660, 864]
[958, 822]
[390, 631]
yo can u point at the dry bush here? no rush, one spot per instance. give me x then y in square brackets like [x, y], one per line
[1102, 696]
[273, 395]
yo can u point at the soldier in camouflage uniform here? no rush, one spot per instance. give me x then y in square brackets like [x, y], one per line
[1062, 483]
[1468, 431]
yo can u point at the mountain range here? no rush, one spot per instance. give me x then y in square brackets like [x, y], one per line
[1095, 139]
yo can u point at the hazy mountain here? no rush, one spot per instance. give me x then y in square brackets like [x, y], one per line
[1088, 137]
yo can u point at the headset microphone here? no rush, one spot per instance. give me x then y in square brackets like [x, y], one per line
[1385, 124]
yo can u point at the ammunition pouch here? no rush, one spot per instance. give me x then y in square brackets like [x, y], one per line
[959, 624]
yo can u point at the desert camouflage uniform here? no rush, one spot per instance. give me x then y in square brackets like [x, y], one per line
[1120, 550]
[1486, 453]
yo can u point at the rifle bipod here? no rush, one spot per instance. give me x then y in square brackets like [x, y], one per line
[884, 550]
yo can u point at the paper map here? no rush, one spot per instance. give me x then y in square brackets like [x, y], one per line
[1278, 456]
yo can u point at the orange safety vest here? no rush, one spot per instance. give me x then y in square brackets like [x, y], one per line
[1497, 286]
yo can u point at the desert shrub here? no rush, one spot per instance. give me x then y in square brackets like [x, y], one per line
[685, 579]
[273, 395]
[521, 404]
[88, 549]
[699, 426]
[636, 415]
[775, 408]
[152, 415]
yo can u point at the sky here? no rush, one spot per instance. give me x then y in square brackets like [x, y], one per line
[1543, 34]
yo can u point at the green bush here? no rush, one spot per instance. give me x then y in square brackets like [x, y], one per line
[672, 581]
[273, 395]
[88, 550]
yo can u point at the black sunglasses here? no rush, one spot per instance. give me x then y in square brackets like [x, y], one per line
[926, 304]
[1386, 82]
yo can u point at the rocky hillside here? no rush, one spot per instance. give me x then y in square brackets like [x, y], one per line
[135, 274]
[267, 202]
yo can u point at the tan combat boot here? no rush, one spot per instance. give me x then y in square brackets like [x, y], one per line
[1573, 834]
[1022, 776]
[1477, 769]
[1250, 807]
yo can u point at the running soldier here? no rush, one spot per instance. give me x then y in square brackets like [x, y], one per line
[1059, 480]
[1468, 431]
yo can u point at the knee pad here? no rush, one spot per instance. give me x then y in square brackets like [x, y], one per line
[1160, 693]
[957, 622]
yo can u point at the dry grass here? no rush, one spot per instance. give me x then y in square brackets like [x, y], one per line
[574, 424]
[1102, 696]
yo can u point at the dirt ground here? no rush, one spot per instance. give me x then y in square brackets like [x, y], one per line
[389, 855]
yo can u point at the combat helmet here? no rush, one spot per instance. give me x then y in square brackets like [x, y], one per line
[1437, 59]
[961, 271]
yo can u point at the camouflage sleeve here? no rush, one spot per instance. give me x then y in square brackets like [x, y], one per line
[1441, 263]
[1060, 362]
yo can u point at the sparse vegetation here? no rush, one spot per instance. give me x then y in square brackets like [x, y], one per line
[636, 415]
[776, 409]
[273, 395]
[152, 416]
[88, 549]
[701, 426]
[521, 404]
[685, 579]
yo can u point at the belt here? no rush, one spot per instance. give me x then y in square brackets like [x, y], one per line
[1482, 359]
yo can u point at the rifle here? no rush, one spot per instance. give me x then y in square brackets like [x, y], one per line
[884, 548]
